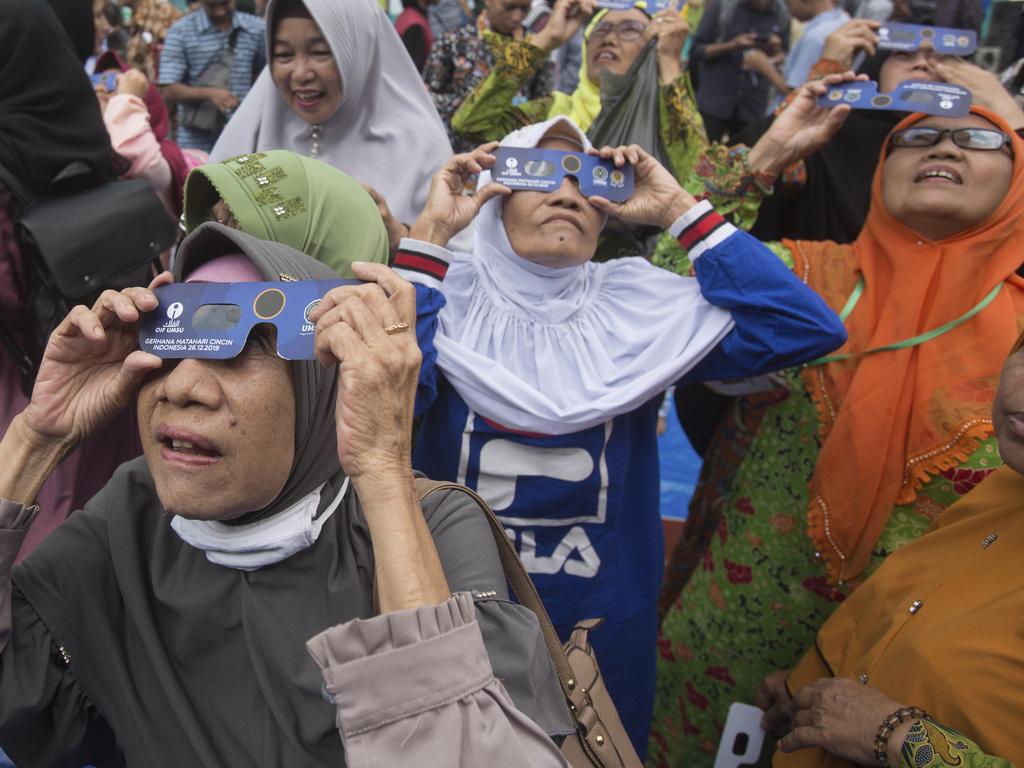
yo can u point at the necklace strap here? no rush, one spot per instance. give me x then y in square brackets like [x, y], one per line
[913, 341]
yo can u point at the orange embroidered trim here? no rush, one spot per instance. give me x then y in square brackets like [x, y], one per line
[920, 468]
[821, 535]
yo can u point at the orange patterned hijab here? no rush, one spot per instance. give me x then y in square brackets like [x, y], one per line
[891, 420]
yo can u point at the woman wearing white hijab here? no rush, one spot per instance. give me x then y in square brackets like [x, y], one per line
[340, 87]
[551, 364]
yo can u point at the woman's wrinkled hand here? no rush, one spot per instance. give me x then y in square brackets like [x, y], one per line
[396, 230]
[657, 198]
[671, 31]
[92, 366]
[377, 370]
[802, 128]
[773, 697]
[842, 717]
[855, 36]
[133, 82]
[986, 90]
[566, 19]
[449, 210]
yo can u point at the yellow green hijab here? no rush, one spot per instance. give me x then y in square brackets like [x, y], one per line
[584, 105]
[585, 102]
[287, 198]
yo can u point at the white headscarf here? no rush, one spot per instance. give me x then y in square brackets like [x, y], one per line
[555, 351]
[386, 132]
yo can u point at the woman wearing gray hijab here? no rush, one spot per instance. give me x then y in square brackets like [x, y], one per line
[340, 87]
[165, 624]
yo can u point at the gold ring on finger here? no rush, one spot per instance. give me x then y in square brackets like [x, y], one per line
[396, 328]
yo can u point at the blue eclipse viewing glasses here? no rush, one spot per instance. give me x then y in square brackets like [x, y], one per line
[542, 170]
[897, 36]
[213, 320]
[942, 99]
[107, 79]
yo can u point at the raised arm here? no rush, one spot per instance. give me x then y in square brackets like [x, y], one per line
[778, 321]
[488, 113]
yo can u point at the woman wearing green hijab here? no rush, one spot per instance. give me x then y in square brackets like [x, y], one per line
[290, 199]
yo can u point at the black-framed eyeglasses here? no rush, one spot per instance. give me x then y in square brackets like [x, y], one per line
[627, 29]
[985, 139]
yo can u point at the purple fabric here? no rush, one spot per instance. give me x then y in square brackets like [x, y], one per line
[86, 470]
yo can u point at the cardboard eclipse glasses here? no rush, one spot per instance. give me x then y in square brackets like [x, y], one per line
[212, 321]
[542, 170]
[896, 36]
[942, 99]
[650, 7]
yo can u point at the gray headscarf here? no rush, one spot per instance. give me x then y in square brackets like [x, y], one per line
[172, 649]
[386, 133]
[316, 451]
[170, 659]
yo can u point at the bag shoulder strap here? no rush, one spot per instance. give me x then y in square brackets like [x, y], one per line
[517, 577]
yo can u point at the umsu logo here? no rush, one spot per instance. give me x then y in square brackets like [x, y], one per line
[544, 490]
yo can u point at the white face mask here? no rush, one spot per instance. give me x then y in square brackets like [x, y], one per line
[265, 542]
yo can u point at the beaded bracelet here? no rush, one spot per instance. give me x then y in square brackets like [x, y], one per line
[890, 724]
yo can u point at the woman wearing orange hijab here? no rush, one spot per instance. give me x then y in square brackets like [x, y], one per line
[939, 616]
[810, 484]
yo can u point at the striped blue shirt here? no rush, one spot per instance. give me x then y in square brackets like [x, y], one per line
[193, 43]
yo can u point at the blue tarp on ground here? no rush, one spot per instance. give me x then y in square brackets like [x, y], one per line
[680, 466]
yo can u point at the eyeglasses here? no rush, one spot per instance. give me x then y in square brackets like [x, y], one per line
[985, 139]
[625, 30]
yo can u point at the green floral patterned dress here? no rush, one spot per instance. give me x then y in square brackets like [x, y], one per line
[759, 594]
[930, 745]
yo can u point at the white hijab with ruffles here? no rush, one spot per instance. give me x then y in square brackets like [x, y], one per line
[555, 351]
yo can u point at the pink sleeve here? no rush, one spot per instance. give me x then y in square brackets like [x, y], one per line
[127, 121]
[415, 688]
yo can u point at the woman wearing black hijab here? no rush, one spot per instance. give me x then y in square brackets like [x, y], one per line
[49, 119]
[48, 111]
[166, 623]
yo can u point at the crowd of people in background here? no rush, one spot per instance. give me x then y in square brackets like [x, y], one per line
[236, 561]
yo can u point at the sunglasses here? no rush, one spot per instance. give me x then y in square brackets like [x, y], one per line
[624, 30]
[985, 139]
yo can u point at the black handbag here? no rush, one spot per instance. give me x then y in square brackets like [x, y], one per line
[78, 240]
[204, 116]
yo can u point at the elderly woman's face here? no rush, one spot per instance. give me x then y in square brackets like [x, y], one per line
[909, 65]
[1008, 412]
[304, 71]
[615, 42]
[940, 190]
[555, 229]
[218, 434]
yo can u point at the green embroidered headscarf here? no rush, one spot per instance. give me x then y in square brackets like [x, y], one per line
[287, 198]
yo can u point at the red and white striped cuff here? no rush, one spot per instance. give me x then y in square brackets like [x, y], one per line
[701, 228]
[421, 262]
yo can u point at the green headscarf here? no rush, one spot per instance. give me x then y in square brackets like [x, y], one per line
[584, 104]
[287, 198]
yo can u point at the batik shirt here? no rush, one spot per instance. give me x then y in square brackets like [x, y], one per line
[459, 62]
